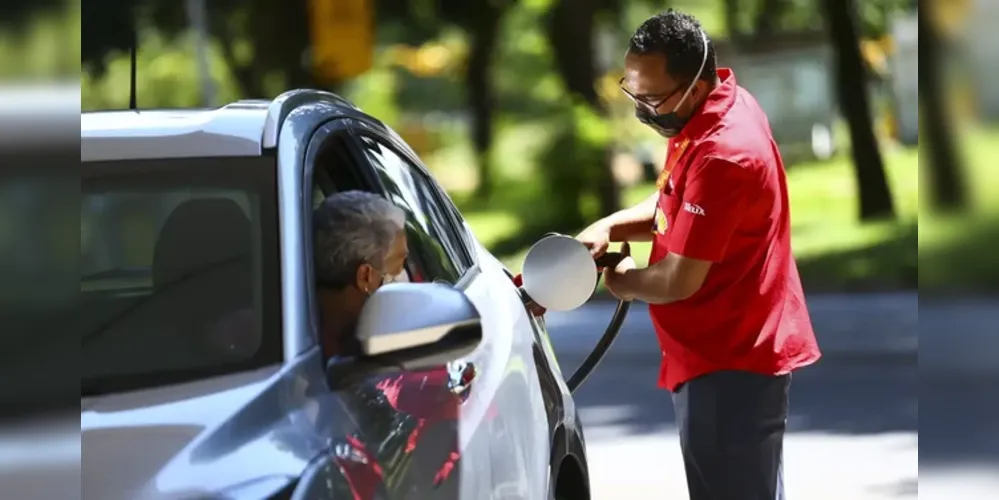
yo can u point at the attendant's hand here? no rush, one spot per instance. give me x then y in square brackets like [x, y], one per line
[595, 238]
[615, 277]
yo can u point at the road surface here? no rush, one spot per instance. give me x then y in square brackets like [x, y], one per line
[853, 431]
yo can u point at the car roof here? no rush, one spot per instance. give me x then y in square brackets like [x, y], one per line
[243, 128]
[233, 130]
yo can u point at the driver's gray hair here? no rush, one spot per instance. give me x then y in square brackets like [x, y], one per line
[349, 229]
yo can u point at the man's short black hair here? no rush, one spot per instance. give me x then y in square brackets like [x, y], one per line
[678, 37]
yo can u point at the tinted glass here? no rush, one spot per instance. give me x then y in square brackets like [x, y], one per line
[179, 270]
[441, 222]
[426, 226]
[38, 299]
[461, 236]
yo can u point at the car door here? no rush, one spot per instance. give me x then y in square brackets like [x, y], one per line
[503, 432]
[390, 437]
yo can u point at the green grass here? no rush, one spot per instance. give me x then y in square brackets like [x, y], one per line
[957, 251]
[837, 253]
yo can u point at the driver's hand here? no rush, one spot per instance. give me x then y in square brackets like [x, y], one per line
[596, 239]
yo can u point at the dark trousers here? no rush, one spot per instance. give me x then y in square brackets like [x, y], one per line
[731, 427]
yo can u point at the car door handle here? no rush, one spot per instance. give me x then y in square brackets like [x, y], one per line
[461, 374]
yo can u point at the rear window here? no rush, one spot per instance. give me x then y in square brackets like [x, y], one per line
[179, 271]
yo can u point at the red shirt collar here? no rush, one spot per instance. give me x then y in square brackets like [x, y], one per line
[719, 101]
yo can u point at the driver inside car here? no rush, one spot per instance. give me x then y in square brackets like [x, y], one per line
[360, 244]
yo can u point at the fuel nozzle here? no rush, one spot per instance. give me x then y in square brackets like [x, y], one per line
[608, 259]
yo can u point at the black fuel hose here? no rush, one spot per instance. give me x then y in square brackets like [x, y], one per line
[610, 334]
[600, 349]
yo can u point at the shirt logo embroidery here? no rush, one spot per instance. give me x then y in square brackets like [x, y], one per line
[661, 224]
[694, 209]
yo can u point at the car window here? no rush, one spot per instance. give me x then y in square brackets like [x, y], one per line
[179, 270]
[437, 204]
[462, 236]
[427, 226]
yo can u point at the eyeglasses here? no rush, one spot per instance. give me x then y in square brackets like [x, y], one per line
[653, 106]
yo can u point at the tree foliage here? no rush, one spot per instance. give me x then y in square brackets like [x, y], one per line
[106, 26]
[766, 18]
[258, 38]
[421, 20]
[265, 46]
[15, 15]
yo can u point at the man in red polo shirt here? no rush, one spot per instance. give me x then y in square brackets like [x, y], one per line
[722, 285]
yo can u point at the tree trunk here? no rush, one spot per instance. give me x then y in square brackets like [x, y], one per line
[297, 68]
[768, 18]
[245, 76]
[947, 187]
[481, 98]
[872, 184]
[571, 32]
[732, 16]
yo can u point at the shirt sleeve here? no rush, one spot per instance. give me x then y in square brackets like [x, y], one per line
[715, 199]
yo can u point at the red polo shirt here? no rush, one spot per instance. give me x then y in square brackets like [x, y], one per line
[723, 198]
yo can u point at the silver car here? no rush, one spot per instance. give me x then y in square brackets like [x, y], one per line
[202, 376]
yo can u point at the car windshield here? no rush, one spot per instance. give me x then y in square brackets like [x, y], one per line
[179, 271]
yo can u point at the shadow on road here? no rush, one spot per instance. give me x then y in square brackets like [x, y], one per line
[872, 379]
[959, 420]
[832, 396]
[837, 395]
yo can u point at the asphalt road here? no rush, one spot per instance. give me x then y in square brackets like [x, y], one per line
[853, 428]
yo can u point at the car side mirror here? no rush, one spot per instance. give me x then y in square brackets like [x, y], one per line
[408, 326]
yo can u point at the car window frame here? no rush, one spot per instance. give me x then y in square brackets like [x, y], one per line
[335, 129]
[415, 260]
[459, 228]
[466, 239]
[462, 259]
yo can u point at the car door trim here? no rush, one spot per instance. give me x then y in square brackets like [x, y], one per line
[294, 138]
[337, 127]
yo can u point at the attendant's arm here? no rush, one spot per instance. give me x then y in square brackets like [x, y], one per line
[716, 198]
[633, 223]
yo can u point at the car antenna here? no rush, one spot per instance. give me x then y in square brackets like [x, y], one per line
[134, 60]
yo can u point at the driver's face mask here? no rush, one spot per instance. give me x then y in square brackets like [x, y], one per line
[387, 278]
[670, 124]
[402, 277]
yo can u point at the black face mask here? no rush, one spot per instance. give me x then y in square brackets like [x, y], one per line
[667, 124]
